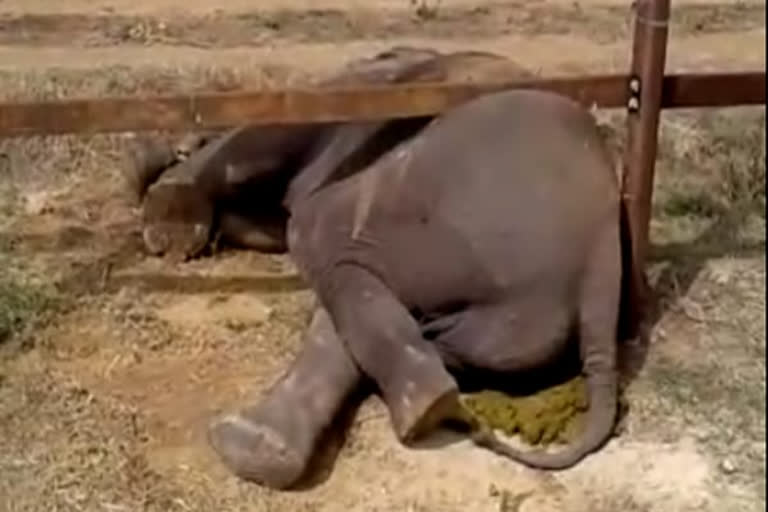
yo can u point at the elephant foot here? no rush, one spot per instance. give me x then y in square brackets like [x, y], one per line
[422, 402]
[417, 421]
[178, 219]
[256, 452]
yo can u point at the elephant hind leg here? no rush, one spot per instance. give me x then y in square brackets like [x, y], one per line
[387, 344]
[502, 338]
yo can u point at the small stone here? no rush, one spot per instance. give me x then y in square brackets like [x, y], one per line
[721, 274]
[702, 436]
[235, 325]
[37, 203]
[728, 467]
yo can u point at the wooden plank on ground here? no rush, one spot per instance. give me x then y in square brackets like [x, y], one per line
[217, 110]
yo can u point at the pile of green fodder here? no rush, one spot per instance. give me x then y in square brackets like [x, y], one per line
[553, 415]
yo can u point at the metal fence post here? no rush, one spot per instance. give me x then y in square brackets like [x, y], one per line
[649, 49]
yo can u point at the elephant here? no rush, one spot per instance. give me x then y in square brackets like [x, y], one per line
[490, 241]
[197, 190]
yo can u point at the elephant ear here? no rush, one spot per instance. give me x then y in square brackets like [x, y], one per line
[390, 66]
[328, 164]
[146, 159]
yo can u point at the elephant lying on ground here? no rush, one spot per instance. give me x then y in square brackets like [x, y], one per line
[199, 188]
[488, 241]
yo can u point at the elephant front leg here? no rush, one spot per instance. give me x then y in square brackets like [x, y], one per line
[387, 344]
[265, 235]
[272, 442]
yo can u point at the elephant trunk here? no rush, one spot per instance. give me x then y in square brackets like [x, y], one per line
[600, 422]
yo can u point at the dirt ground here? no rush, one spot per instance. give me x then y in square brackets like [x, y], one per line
[112, 362]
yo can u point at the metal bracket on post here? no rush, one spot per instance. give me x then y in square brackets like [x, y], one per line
[643, 112]
[633, 104]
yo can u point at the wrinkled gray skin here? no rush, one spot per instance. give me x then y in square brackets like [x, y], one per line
[486, 242]
[199, 187]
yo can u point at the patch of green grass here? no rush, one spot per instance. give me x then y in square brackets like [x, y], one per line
[699, 204]
[9, 197]
[22, 302]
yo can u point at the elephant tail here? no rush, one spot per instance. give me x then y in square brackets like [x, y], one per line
[600, 422]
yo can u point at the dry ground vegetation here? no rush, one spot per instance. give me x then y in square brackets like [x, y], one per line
[112, 362]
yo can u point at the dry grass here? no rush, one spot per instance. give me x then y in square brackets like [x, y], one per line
[710, 177]
[125, 80]
[412, 18]
[709, 269]
[707, 376]
[726, 153]
[710, 193]
[83, 454]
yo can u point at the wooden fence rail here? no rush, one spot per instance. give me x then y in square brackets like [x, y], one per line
[218, 110]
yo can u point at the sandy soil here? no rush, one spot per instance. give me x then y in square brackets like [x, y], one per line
[104, 398]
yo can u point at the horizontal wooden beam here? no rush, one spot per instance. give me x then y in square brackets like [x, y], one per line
[713, 90]
[219, 110]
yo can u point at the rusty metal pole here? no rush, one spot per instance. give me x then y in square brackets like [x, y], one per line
[649, 50]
